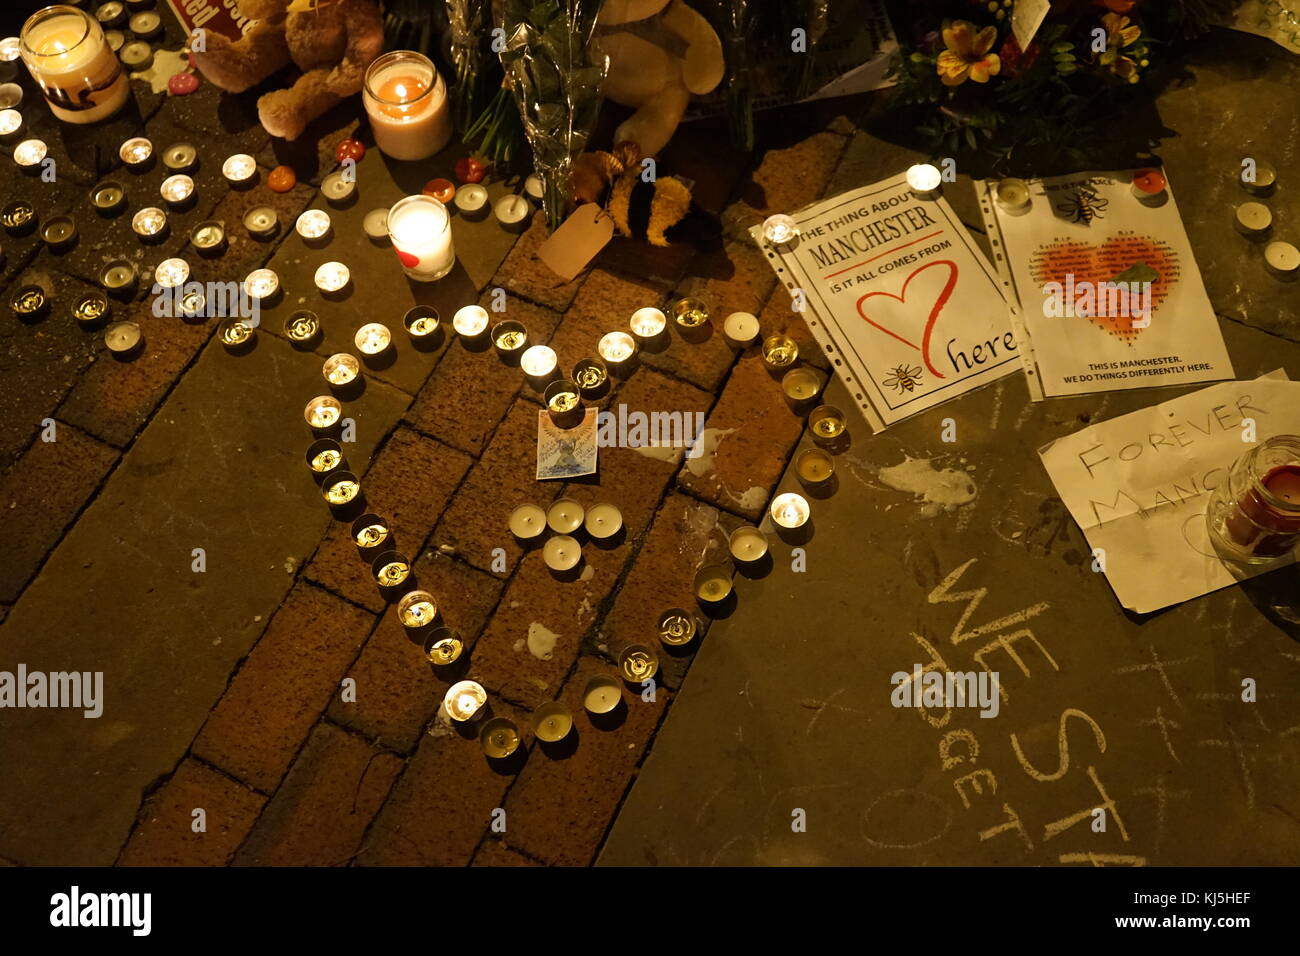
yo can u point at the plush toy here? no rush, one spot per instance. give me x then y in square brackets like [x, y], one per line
[330, 41]
[660, 211]
[660, 53]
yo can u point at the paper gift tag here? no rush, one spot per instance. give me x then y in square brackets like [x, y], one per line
[577, 241]
[1026, 18]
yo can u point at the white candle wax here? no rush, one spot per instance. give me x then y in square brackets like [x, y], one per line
[420, 230]
[407, 103]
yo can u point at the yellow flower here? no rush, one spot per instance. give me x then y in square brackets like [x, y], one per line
[1120, 33]
[967, 56]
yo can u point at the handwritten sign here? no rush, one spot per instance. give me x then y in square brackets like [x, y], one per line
[902, 300]
[1139, 485]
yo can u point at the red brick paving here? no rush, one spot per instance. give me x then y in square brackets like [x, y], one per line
[165, 834]
[524, 274]
[283, 686]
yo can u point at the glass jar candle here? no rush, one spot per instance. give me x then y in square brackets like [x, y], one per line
[66, 53]
[1254, 515]
[407, 103]
[420, 229]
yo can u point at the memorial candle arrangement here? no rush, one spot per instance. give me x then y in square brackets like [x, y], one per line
[406, 101]
[66, 53]
[420, 230]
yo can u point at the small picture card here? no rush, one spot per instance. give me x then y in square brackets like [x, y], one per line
[578, 240]
[566, 452]
[899, 296]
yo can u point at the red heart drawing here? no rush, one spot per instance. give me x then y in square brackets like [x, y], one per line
[1102, 263]
[406, 258]
[939, 303]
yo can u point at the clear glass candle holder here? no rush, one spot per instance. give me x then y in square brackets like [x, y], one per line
[66, 53]
[420, 229]
[407, 104]
[1254, 514]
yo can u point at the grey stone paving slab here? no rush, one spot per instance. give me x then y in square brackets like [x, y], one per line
[787, 704]
[220, 467]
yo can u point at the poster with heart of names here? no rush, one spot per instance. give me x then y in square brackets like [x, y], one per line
[907, 308]
[1080, 232]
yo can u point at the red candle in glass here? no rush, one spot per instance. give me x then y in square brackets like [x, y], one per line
[1268, 516]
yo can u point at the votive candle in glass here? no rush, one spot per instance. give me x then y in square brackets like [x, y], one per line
[66, 53]
[420, 230]
[406, 101]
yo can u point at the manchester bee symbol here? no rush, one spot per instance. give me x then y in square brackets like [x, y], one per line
[1084, 206]
[904, 378]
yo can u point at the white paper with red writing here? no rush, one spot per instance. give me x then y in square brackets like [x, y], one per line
[902, 300]
[1079, 232]
[1139, 485]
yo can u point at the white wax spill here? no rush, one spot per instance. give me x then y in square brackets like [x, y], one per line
[709, 441]
[939, 490]
[661, 452]
[541, 641]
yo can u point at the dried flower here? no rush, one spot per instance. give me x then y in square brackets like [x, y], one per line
[967, 55]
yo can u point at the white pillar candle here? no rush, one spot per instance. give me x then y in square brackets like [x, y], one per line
[420, 230]
[66, 53]
[407, 103]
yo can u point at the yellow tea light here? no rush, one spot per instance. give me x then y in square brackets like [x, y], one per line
[590, 375]
[826, 422]
[647, 323]
[235, 333]
[713, 583]
[814, 466]
[171, 272]
[464, 701]
[323, 411]
[552, 722]
[780, 229]
[676, 627]
[373, 339]
[565, 516]
[417, 609]
[801, 384]
[616, 348]
[393, 572]
[790, 510]
[470, 321]
[509, 337]
[602, 695]
[603, 521]
[924, 180]
[638, 663]
[239, 168]
[342, 490]
[313, 224]
[326, 460]
[562, 401]
[149, 222]
[30, 152]
[779, 351]
[11, 121]
[538, 361]
[562, 553]
[443, 647]
[302, 326]
[747, 544]
[499, 738]
[527, 522]
[371, 535]
[341, 369]
[261, 284]
[690, 313]
[332, 277]
[177, 189]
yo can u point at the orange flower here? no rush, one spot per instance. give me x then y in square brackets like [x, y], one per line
[967, 56]
[1120, 34]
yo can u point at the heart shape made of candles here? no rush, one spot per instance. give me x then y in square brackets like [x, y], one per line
[892, 325]
[1108, 261]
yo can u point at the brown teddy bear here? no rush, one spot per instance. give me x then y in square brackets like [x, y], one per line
[331, 41]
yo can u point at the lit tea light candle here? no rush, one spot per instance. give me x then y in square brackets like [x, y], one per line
[369, 532]
[470, 321]
[239, 169]
[180, 157]
[59, 232]
[527, 522]
[1282, 259]
[747, 544]
[108, 197]
[637, 663]
[11, 121]
[341, 369]
[177, 189]
[236, 334]
[443, 647]
[66, 53]
[590, 376]
[391, 570]
[603, 521]
[814, 466]
[690, 312]
[373, 339]
[323, 412]
[192, 304]
[801, 384]
[924, 180]
[171, 272]
[421, 322]
[375, 225]
[741, 327]
[513, 212]
[565, 516]
[29, 153]
[713, 583]
[341, 488]
[509, 338]
[779, 351]
[91, 309]
[1264, 180]
[465, 701]
[616, 349]
[1148, 185]
[499, 738]
[261, 284]
[313, 224]
[19, 217]
[1012, 195]
[647, 323]
[1255, 512]
[420, 230]
[676, 627]
[123, 338]
[780, 229]
[1254, 219]
[209, 237]
[261, 222]
[136, 153]
[118, 276]
[332, 277]
[533, 188]
[149, 223]
[552, 722]
[302, 327]
[417, 609]
[324, 456]
[602, 695]
[564, 403]
[826, 422]
[406, 101]
[337, 189]
[471, 200]
[10, 49]
[538, 361]
[29, 302]
[562, 552]
[789, 510]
